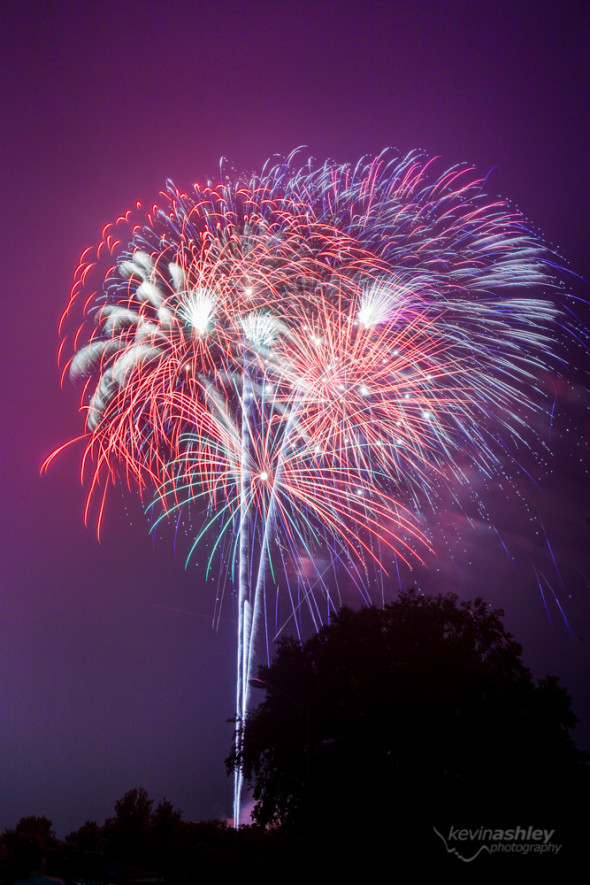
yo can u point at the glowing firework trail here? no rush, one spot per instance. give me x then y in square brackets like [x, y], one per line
[301, 357]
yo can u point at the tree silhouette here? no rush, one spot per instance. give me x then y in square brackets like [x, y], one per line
[88, 837]
[32, 828]
[128, 833]
[420, 711]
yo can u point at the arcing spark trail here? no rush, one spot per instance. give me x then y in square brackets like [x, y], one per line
[302, 357]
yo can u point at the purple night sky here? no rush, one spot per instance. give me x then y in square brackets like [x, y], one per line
[111, 676]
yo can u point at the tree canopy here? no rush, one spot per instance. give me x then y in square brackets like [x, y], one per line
[421, 708]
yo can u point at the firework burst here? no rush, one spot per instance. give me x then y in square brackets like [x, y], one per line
[301, 358]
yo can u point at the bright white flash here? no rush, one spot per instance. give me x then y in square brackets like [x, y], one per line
[376, 306]
[197, 309]
[260, 329]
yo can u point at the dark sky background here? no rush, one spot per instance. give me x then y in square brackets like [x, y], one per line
[111, 676]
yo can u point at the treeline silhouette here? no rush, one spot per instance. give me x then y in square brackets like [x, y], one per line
[143, 842]
[383, 727]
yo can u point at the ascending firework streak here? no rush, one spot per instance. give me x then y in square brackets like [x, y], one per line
[301, 358]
